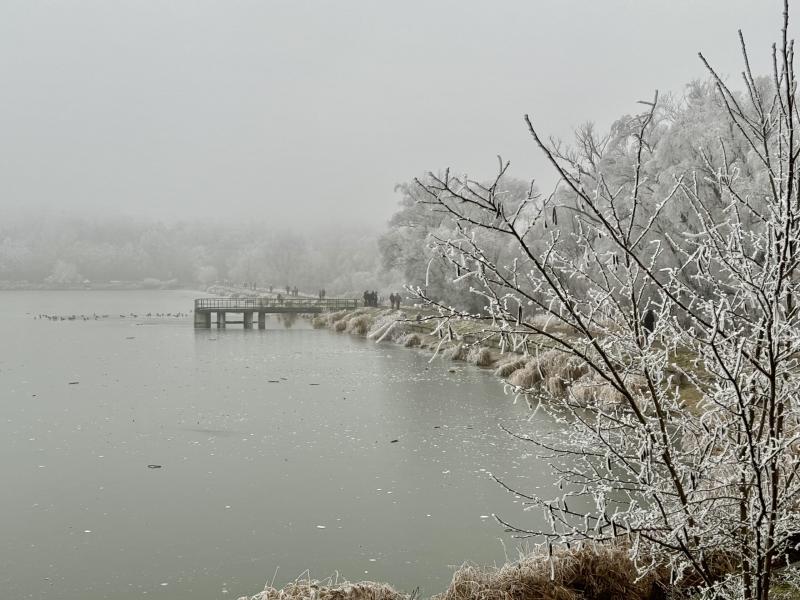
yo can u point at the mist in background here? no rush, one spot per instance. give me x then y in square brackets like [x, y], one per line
[185, 140]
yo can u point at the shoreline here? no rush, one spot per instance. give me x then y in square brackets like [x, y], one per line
[380, 324]
[539, 369]
[564, 573]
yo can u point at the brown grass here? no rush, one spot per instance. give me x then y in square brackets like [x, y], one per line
[481, 356]
[330, 590]
[553, 370]
[340, 325]
[359, 325]
[412, 340]
[527, 377]
[604, 573]
[556, 386]
[388, 326]
[331, 318]
[509, 367]
[592, 388]
[457, 352]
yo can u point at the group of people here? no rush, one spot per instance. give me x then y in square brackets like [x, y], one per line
[292, 291]
[370, 298]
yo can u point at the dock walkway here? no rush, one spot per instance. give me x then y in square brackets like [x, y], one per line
[261, 306]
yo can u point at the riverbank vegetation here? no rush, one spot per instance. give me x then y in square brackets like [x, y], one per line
[603, 572]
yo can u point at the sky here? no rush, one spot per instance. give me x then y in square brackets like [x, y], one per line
[304, 112]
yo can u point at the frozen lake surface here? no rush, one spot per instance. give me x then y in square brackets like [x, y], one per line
[275, 450]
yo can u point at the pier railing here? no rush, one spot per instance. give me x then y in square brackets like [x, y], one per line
[284, 304]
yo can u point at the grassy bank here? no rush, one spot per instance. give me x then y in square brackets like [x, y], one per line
[586, 573]
[534, 367]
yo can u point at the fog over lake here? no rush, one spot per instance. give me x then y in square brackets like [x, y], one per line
[311, 112]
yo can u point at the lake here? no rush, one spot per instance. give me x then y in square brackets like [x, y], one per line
[144, 458]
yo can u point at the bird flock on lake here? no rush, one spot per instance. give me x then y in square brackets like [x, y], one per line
[98, 317]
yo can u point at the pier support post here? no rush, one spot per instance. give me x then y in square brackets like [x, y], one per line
[220, 319]
[202, 320]
[262, 320]
[247, 319]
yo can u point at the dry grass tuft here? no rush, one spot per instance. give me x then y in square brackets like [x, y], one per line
[558, 364]
[555, 386]
[593, 389]
[580, 574]
[508, 367]
[359, 325]
[331, 318]
[319, 322]
[389, 327]
[412, 340]
[457, 352]
[555, 371]
[330, 590]
[340, 325]
[527, 377]
[481, 356]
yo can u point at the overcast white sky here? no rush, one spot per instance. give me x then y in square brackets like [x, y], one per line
[311, 111]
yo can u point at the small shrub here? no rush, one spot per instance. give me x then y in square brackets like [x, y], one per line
[340, 325]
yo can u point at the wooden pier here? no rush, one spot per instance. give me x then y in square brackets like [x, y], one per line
[250, 307]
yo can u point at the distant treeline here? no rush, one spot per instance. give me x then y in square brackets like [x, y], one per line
[690, 134]
[65, 251]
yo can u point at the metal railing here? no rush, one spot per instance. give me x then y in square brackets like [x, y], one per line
[297, 304]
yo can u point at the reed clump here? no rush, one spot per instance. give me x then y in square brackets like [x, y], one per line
[481, 356]
[359, 324]
[527, 377]
[458, 352]
[604, 572]
[507, 368]
[331, 318]
[551, 370]
[412, 340]
[330, 590]
[389, 326]
[593, 389]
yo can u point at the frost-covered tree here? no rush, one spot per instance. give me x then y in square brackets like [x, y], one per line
[678, 340]
[408, 249]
